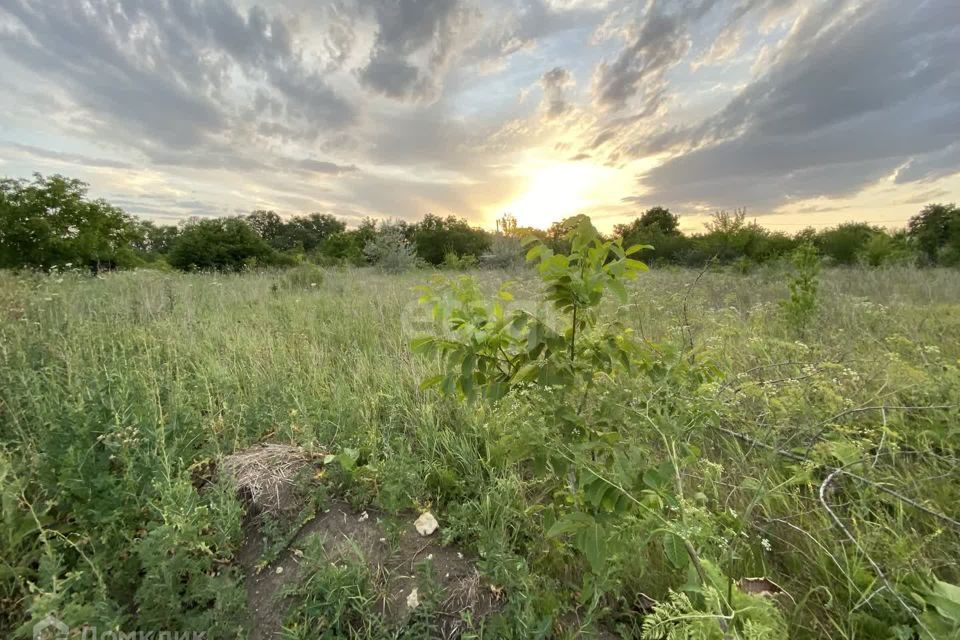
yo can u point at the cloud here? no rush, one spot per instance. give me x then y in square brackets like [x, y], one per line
[320, 166]
[416, 41]
[168, 75]
[656, 42]
[851, 95]
[398, 107]
[69, 158]
[518, 26]
[930, 166]
[555, 84]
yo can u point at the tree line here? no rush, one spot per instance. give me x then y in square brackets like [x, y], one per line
[49, 222]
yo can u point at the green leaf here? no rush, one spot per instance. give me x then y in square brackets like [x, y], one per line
[526, 373]
[653, 479]
[617, 287]
[432, 381]
[421, 344]
[676, 551]
[945, 598]
[535, 252]
[592, 541]
[570, 524]
[637, 247]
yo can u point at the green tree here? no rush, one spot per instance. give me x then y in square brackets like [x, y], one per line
[151, 238]
[936, 232]
[435, 237]
[272, 228]
[883, 249]
[310, 231]
[660, 229]
[50, 222]
[661, 219]
[347, 246]
[845, 243]
[221, 244]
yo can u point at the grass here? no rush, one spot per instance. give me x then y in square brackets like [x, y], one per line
[112, 388]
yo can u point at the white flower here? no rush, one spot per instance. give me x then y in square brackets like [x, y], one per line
[765, 544]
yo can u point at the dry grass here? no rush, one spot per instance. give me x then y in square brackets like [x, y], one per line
[264, 475]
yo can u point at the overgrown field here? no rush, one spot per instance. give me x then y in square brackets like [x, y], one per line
[115, 390]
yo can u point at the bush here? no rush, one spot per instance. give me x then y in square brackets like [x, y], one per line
[435, 237]
[304, 276]
[459, 263]
[505, 253]
[223, 244]
[390, 250]
[882, 250]
[802, 304]
[845, 243]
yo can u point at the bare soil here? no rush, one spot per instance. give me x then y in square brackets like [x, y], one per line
[392, 560]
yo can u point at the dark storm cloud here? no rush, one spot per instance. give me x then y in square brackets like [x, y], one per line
[851, 96]
[416, 39]
[164, 70]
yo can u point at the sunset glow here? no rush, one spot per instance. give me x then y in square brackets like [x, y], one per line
[541, 108]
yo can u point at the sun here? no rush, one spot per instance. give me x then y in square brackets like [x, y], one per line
[559, 190]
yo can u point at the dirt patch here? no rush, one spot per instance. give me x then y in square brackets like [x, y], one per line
[390, 546]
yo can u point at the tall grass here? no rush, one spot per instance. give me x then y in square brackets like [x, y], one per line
[113, 388]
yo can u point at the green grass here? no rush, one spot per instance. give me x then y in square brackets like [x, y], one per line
[112, 387]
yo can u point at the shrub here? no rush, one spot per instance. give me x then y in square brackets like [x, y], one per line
[882, 250]
[223, 244]
[802, 303]
[845, 243]
[435, 237]
[390, 250]
[304, 276]
[459, 263]
[505, 252]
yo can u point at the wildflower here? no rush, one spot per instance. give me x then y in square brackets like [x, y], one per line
[765, 544]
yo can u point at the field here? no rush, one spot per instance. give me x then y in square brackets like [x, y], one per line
[821, 458]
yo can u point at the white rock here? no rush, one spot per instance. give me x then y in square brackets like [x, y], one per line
[426, 524]
[413, 600]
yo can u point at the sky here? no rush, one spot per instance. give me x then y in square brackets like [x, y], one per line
[803, 113]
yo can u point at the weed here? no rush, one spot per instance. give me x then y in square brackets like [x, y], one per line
[802, 304]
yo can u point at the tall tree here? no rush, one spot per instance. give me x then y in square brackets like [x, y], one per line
[50, 222]
[936, 231]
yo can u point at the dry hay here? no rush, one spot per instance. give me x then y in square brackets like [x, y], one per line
[264, 474]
